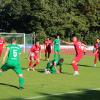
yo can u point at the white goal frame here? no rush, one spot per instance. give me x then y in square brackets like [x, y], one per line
[23, 34]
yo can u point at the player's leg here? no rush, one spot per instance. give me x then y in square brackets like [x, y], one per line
[95, 59]
[75, 67]
[19, 72]
[46, 54]
[49, 52]
[37, 61]
[31, 59]
[74, 64]
[47, 69]
[5, 67]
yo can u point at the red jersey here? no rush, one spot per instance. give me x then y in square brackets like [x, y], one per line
[48, 43]
[96, 46]
[78, 48]
[35, 49]
[1, 43]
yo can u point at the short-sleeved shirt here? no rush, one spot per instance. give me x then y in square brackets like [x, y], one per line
[35, 49]
[48, 43]
[78, 48]
[56, 43]
[13, 54]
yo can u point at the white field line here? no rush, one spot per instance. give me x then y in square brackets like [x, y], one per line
[56, 94]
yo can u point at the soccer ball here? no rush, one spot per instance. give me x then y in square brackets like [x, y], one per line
[47, 72]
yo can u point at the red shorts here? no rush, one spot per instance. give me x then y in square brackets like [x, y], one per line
[78, 58]
[48, 49]
[34, 57]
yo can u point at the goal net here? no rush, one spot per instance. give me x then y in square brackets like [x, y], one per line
[23, 40]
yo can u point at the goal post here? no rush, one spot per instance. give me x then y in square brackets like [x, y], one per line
[22, 39]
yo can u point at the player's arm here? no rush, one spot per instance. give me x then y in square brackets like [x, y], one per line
[57, 71]
[68, 43]
[40, 53]
[5, 56]
[84, 45]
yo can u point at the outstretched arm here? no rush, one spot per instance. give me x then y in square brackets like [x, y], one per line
[69, 43]
[5, 56]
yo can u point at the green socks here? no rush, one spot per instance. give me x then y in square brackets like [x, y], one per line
[21, 82]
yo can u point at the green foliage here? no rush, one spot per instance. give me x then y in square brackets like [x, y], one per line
[50, 16]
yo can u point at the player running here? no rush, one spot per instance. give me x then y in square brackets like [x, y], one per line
[56, 43]
[34, 56]
[12, 54]
[1, 44]
[54, 66]
[96, 52]
[47, 48]
[79, 53]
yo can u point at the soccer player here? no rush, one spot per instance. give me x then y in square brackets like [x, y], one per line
[56, 43]
[79, 53]
[52, 66]
[1, 44]
[34, 56]
[96, 52]
[47, 47]
[12, 54]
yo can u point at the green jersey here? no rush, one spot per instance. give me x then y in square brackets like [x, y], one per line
[13, 54]
[57, 43]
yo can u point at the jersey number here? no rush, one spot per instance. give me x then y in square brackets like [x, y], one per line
[14, 53]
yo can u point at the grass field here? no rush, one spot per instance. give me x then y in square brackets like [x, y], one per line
[65, 86]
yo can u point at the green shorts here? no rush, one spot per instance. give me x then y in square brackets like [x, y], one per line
[56, 49]
[15, 67]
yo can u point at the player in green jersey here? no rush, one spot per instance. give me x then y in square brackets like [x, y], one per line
[56, 43]
[54, 66]
[11, 61]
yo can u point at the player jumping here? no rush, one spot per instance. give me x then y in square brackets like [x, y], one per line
[12, 54]
[34, 56]
[79, 53]
[54, 66]
[47, 47]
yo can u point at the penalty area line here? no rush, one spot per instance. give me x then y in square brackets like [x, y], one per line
[56, 94]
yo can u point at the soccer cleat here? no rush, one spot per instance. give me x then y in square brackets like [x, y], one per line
[94, 65]
[76, 73]
[33, 69]
[21, 88]
[28, 69]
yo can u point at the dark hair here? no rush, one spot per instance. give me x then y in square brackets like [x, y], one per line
[13, 40]
[61, 60]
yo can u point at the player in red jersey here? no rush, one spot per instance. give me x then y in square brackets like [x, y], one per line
[47, 47]
[34, 56]
[96, 53]
[79, 53]
[1, 45]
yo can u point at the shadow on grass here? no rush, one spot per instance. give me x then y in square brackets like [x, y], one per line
[9, 85]
[85, 95]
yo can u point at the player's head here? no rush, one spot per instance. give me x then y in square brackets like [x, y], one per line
[48, 38]
[97, 40]
[13, 40]
[61, 60]
[37, 43]
[1, 37]
[74, 39]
